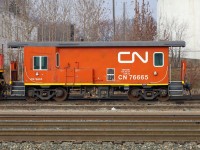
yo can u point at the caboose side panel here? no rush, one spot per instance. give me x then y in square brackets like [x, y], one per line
[99, 66]
[116, 66]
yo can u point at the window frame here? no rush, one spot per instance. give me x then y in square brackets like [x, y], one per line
[162, 60]
[40, 63]
[57, 60]
[110, 74]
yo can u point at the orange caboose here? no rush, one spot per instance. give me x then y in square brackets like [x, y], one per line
[98, 69]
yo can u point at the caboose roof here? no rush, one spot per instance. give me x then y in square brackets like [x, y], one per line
[101, 44]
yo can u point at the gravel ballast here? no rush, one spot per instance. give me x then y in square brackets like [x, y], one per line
[99, 146]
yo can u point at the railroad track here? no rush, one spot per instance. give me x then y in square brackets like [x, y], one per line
[102, 107]
[99, 105]
[100, 126]
[116, 97]
[183, 102]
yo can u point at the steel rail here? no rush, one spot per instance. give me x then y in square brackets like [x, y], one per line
[100, 106]
[100, 126]
[97, 107]
[115, 97]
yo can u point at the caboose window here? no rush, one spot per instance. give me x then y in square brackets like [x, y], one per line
[43, 62]
[110, 74]
[57, 59]
[36, 62]
[40, 62]
[158, 59]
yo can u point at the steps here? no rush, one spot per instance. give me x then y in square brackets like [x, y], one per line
[17, 88]
[175, 88]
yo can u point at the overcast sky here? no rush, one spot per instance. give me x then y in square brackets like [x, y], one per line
[129, 7]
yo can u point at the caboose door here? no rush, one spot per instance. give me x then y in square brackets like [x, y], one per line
[79, 76]
[70, 76]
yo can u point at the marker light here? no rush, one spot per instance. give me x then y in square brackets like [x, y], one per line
[155, 73]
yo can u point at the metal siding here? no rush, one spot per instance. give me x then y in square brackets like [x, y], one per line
[100, 44]
[89, 65]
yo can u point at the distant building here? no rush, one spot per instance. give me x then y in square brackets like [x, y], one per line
[186, 15]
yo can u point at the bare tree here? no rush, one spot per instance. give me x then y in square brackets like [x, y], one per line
[47, 19]
[27, 15]
[17, 21]
[66, 19]
[144, 25]
[105, 30]
[169, 30]
[141, 28]
[89, 15]
[54, 20]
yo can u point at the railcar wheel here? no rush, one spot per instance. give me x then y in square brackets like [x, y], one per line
[31, 97]
[61, 95]
[133, 95]
[164, 95]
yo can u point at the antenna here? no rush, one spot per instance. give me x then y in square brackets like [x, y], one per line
[114, 18]
[2, 48]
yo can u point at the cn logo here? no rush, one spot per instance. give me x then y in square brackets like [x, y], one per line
[134, 54]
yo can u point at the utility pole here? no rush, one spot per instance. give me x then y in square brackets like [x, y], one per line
[124, 20]
[114, 19]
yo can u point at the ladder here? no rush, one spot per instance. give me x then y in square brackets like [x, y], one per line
[17, 88]
[175, 88]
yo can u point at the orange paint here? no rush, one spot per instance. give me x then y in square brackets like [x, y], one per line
[88, 65]
[1, 61]
[183, 69]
